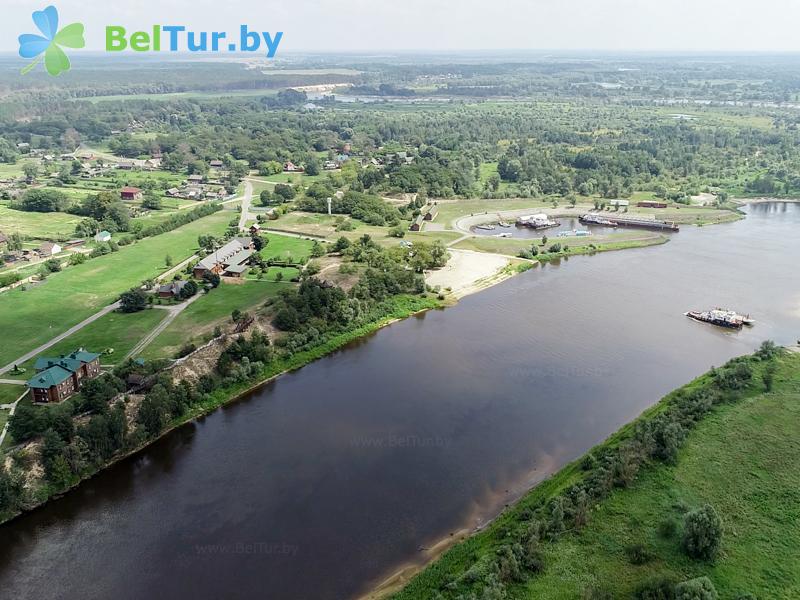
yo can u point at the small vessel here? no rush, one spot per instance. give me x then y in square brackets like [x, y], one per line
[485, 227]
[721, 317]
[505, 234]
[504, 224]
[575, 233]
[537, 221]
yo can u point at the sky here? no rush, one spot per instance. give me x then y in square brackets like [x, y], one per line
[373, 25]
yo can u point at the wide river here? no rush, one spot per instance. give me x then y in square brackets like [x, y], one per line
[321, 483]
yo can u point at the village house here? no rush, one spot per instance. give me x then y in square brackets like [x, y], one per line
[130, 193]
[194, 192]
[290, 167]
[103, 236]
[432, 212]
[171, 289]
[651, 204]
[49, 249]
[59, 378]
[215, 164]
[229, 260]
[417, 224]
[195, 178]
[255, 229]
[125, 165]
[330, 165]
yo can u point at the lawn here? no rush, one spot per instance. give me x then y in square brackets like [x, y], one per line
[196, 323]
[8, 394]
[31, 317]
[512, 246]
[284, 247]
[37, 225]
[117, 331]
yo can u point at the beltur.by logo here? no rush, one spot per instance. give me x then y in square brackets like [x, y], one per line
[170, 38]
[178, 39]
[48, 45]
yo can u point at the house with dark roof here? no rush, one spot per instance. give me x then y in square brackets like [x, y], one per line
[230, 260]
[417, 224]
[171, 289]
[59, 378]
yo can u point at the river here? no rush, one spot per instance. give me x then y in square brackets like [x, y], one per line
[322, 482]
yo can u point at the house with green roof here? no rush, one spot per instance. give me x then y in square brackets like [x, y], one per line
[59, 378]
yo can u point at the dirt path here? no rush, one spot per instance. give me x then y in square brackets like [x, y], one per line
[172, 313]
[247, 200]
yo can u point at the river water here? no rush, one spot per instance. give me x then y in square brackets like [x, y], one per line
[324, 481]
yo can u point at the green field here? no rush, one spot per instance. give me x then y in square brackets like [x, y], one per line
[37, 225]
[196, 323]
[117, 331]
[283, 247]
[8, 394]
[33, 316]
[743, 458]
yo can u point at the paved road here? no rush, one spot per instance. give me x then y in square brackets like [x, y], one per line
[61, 336]
[12, 381]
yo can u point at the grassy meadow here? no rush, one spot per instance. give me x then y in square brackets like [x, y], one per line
[32, 316]
[196, 323]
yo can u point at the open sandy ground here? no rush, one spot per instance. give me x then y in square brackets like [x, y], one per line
[468, 271]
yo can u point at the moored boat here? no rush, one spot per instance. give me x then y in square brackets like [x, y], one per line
[721, 318]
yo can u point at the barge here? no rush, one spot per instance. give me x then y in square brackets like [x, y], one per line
[721, 317]
[625, 221]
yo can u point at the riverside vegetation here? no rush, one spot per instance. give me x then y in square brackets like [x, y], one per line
[655, 512]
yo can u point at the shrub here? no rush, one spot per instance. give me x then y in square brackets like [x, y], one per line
[595, 593]
[667, 528]
[696, 589]
[702, 533]
[638, 554]
[659, 587]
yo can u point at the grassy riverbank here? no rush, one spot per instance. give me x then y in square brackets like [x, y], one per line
[393, 309]
[742, 457]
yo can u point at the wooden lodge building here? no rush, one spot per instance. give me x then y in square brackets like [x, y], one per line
[59, 378]
[230, 260]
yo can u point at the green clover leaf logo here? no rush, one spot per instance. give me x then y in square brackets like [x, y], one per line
[48, 45]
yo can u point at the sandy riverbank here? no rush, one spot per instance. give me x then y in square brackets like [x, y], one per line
[468, 271]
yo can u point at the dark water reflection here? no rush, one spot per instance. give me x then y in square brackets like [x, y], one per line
[324, 480]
